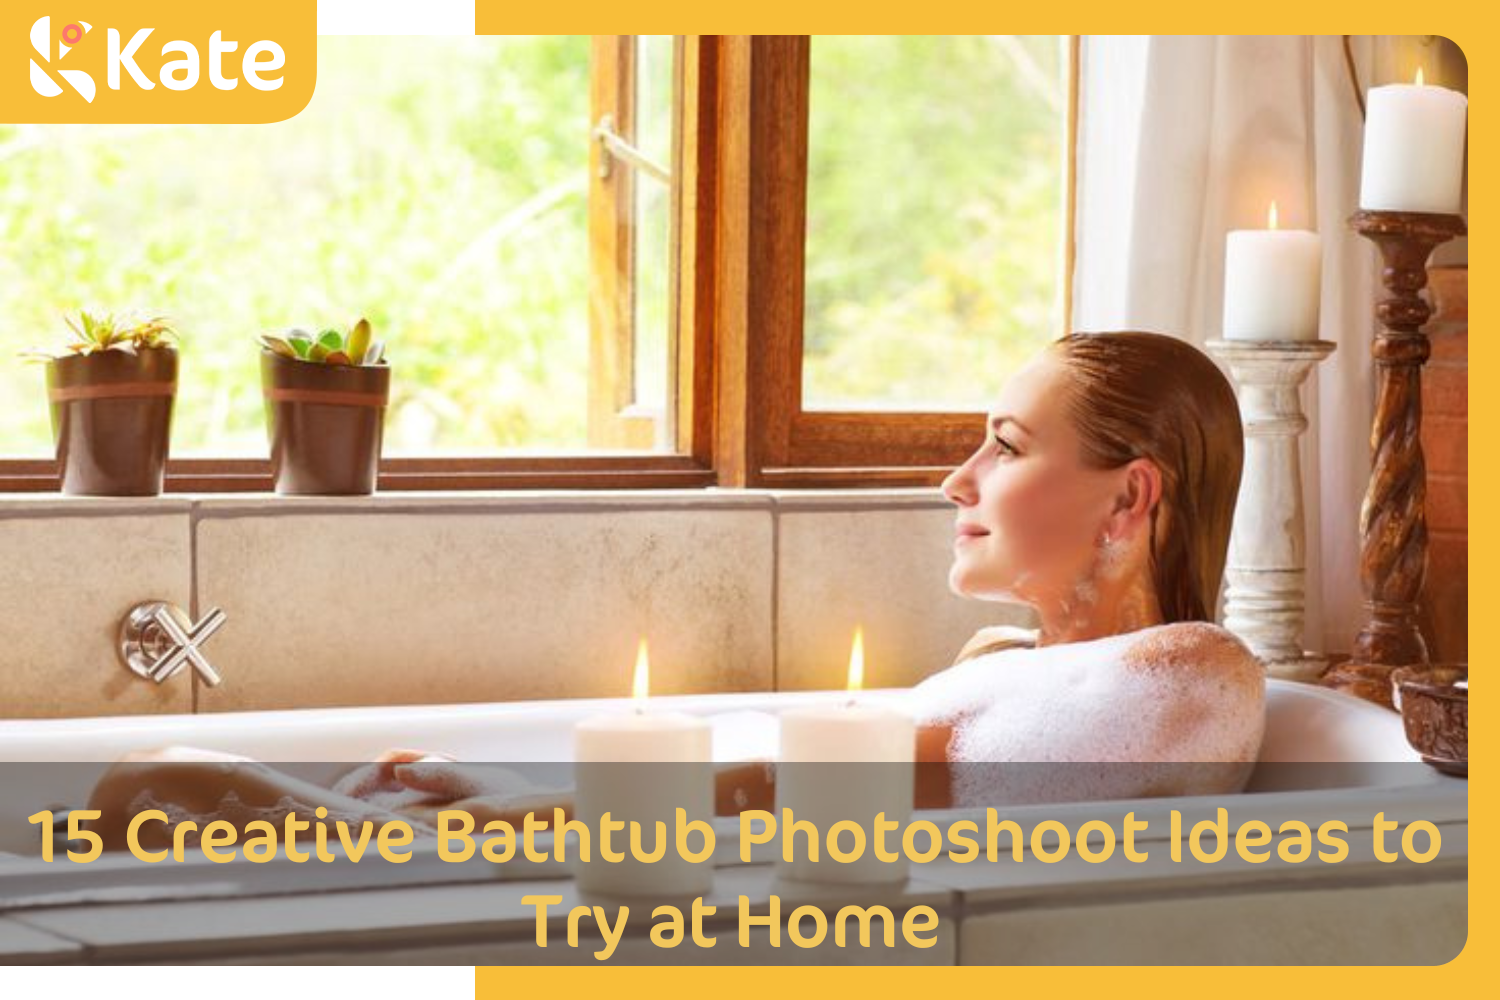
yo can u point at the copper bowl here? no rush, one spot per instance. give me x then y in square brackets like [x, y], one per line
[1435, 712]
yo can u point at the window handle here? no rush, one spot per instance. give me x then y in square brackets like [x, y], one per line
[614, 146]
[158, 639]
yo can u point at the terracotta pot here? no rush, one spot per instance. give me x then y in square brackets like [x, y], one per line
[325, 425]
[112, 420]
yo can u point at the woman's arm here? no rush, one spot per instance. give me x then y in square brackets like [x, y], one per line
[204, 786]
[197, 785]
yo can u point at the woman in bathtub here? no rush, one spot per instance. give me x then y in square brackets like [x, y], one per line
[1102, 497]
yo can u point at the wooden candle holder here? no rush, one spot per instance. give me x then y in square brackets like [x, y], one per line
[1393, 517]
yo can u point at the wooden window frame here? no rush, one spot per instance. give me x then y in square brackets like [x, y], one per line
[767, 437]
[739, 181]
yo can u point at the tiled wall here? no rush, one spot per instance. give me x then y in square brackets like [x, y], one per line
[429, 599]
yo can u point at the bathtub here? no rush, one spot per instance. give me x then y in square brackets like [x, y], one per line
[1362, 745]
[121, 910]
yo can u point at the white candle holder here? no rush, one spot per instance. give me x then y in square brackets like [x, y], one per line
[1265, 602]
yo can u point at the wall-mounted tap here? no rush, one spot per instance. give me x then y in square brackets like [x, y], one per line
[157, 639]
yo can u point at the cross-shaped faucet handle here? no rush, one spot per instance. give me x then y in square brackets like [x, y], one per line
[158, 639]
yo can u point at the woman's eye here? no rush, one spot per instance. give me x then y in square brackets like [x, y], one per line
[1005, 446]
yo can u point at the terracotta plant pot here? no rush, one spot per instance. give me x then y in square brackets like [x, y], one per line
[112, 420]
[325, 425]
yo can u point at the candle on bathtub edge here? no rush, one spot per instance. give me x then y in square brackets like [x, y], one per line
[1272, 282]
[672, 754]
[846, 762]
[1414, 148]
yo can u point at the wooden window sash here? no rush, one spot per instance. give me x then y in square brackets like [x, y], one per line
[613, 421]
[767, 437]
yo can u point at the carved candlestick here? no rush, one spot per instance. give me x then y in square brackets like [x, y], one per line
[1393, 518]
[1266, 599]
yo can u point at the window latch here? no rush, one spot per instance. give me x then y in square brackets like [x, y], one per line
[613, 146]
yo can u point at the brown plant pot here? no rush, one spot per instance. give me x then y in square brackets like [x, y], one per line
[325, 425]
[112, 420]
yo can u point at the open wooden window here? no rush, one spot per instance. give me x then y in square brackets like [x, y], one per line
[770, 435]
[587, 326]
[701, 347]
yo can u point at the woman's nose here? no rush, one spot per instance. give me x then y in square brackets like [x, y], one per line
[959, 486]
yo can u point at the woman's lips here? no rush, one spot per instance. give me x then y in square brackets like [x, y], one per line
[965, 533]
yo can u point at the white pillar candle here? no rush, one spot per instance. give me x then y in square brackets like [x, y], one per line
[845, 762]
[642, 767]
[1272, 281]
[1414, 148]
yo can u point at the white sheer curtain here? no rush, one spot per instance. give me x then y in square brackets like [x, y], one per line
[1182, 138]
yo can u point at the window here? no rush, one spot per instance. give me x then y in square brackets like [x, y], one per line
[935, 188]
[767, 333]
[619, 261]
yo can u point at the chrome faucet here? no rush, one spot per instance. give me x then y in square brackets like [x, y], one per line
[158, 639]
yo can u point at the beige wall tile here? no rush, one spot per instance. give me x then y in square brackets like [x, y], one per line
[68, 575]
[884, 568]
[476, 604]
[1416, 924]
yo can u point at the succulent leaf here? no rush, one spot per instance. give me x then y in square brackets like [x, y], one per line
[277, 346]
[328, 346]
[129, 332]
[359, 341]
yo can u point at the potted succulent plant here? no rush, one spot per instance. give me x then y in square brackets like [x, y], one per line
[110, 389]
[326, 395]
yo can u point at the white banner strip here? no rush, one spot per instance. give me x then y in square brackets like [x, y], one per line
[395, 17]
[437, 982]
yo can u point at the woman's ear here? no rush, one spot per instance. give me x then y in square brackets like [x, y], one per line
[1140, 492]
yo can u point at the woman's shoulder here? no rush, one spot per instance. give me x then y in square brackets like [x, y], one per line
[1201, 648]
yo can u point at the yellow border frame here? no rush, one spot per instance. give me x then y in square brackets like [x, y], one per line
[1458, 22]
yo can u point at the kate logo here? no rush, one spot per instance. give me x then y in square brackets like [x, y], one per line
[166, 62]
[41, 41]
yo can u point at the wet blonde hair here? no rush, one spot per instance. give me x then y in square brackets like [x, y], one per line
[1137, 395]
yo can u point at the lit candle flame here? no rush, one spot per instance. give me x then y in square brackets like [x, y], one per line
[857, 660]
[1419, 76]
[642, 682]
[1271, 216]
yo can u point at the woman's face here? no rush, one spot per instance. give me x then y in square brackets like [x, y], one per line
[1030, 514]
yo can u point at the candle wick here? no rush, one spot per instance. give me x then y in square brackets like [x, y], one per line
[850, 702]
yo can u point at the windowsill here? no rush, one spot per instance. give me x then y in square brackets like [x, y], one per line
[892, 498]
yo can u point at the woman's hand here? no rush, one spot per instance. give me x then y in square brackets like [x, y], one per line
[510, 807]
[380, 777]
[420, 784]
